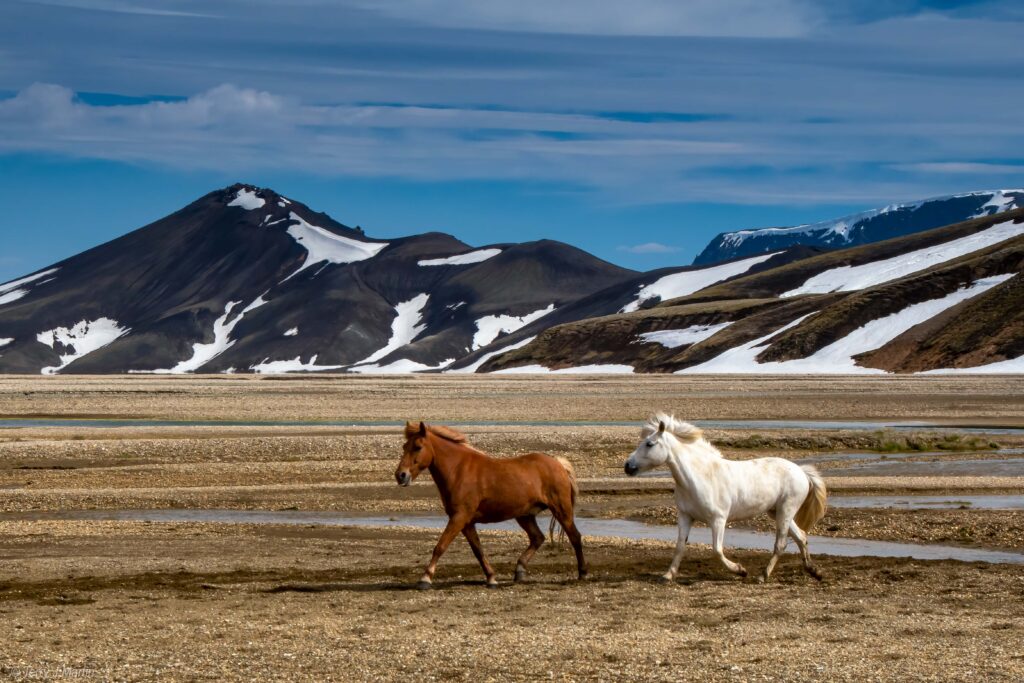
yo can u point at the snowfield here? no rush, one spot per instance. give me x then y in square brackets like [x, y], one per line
[837, 357]
[398, 367]
[490, 326]
[279, 367]
[323, 245]
[292, 332]
[608, 369]
[4, 341]
[477, 256]
[13, 290]
[690, 281]
[247, 200]
[849, 278]
[404, 328]
[672, 339]
[83, 338]
[491, 354]
[1004, 367]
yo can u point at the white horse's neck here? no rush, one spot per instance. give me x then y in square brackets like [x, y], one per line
[685, 462]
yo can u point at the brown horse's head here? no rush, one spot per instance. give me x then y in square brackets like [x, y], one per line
[417, 453]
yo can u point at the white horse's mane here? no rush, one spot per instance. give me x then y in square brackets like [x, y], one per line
[684, 431]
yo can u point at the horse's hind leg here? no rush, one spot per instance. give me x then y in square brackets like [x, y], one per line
[529, 524]
[718, 541]
[569, 525]
[780, 546]
[800, 537]
[474, 542]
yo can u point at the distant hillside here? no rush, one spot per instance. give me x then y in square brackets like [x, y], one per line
[863, 228]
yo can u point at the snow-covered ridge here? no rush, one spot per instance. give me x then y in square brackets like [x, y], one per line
[690, 281]
[672, 339]
[248, 200]
[323, 245]
[406, 326]
[4, 341]
[850, 278]
[837, 357]
[999, 202]
[490, 326]
[467, 258]
[14, 290]
[82, 338]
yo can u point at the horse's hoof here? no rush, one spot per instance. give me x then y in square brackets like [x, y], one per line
[665, 581]
[815, 574]
[763, 578]
[495, 584]
[424, 586]
[583, 576]
[741, 572]
[520, 574]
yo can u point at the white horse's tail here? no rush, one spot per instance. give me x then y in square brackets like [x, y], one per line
[571, 471]
[816, 503]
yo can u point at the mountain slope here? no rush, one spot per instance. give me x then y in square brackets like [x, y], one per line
[945, 298]
[863, 228]
[244, 279]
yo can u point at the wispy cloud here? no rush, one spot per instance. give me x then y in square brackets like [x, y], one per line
[962, 167]
[649, 248]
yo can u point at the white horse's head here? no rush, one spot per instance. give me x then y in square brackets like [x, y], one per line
[656, 439]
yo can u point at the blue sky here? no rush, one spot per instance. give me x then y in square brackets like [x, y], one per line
[635, 130]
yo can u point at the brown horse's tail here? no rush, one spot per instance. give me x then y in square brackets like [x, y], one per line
[814, 506]
[569, 470]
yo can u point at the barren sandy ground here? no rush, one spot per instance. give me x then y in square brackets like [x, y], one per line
[102, 600]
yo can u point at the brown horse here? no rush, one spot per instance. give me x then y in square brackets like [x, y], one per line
[478, 489]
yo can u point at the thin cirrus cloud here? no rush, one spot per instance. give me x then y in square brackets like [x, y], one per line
[649, 248]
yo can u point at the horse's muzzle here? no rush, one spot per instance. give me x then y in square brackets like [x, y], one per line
[403, 478]
[630, 468]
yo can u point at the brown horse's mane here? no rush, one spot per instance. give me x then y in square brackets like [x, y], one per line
[446, 433]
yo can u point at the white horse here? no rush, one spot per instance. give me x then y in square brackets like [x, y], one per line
[715, 491]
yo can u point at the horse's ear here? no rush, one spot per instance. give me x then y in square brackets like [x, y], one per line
[423, 429]
[661, 427]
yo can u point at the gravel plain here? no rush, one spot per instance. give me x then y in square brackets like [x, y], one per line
[127, 600]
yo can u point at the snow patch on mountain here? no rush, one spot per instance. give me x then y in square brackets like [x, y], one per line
[491, 354]
[222, 328]
[837, 357]
[672, 339]
[1002, 200]
[280, 367]
[323, 245]
[490, 326]
[4, 341]
[404, 328]
[599, 369]
[400, 366]
[248, 200]
[83, 338]
[477, 256]
[14, 290]
[849, 278]
[292, 332]
[690, 281]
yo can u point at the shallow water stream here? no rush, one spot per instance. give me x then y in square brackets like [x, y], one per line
[616, 528]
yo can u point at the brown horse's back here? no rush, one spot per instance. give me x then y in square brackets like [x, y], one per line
[509, 488]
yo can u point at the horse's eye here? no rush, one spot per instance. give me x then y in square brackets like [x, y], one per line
[416, 448]
[650, 444]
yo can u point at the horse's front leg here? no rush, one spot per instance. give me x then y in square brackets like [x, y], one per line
[474, 542]
[684, 534]
[455, 525]
[718, 542]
